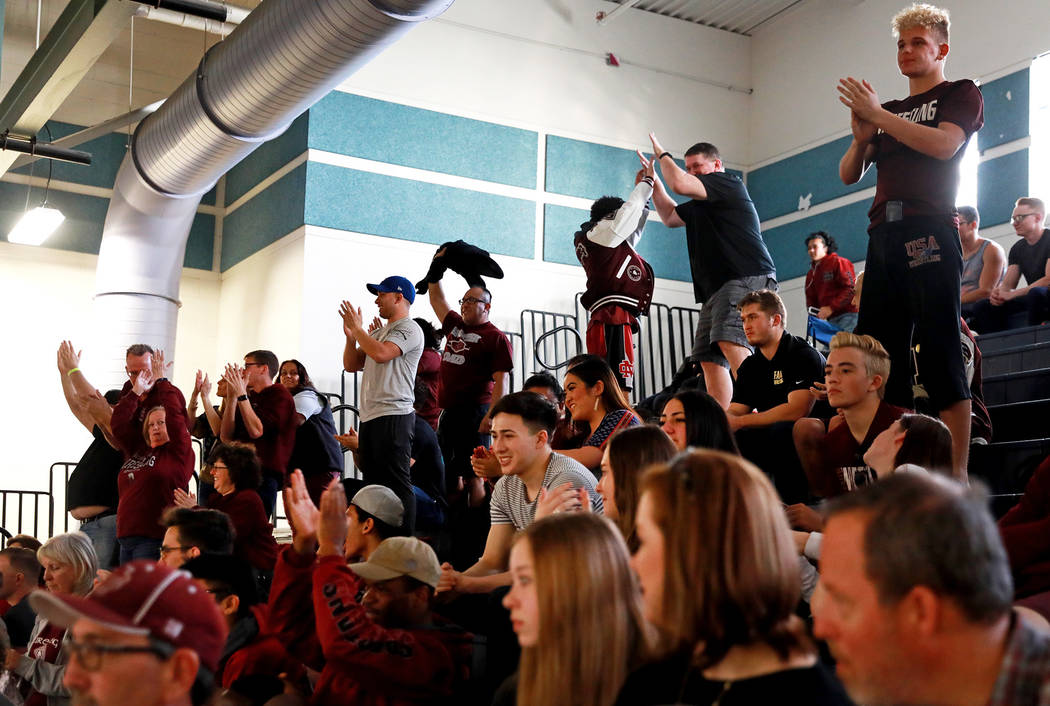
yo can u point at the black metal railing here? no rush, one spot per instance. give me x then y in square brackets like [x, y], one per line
[683, 321]
[517, 376]
[41, 509]
[554, 350]
[349, 394]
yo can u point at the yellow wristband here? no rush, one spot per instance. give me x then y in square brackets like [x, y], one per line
[71, 371]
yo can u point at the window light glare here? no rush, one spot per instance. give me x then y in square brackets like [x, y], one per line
[36, 225]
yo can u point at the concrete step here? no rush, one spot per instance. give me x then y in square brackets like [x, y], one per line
[1012, 338]
[1020, 421]
[1015, 360]
[1005, 467]
[1017, 387]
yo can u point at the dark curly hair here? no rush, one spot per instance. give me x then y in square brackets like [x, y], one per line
[243, 464]
[829, 242]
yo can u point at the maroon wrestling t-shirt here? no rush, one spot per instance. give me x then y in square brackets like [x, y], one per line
[925, 184]
[472, 354]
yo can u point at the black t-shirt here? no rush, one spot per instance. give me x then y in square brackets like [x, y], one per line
[674, 680]
[19, 620]
[1031, 258]
[428, 472]
[762, 384]
[723, 234]
[94, 480]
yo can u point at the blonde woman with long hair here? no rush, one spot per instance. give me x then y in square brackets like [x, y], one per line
[577, 610]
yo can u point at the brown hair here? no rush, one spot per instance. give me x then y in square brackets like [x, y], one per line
[768, 301]
[594, 370]
[631, 452]
[145, 421]
[137, 349]
[930, 17]
[1032, 202]
[592, 630]
[731, 572]
[927, 443]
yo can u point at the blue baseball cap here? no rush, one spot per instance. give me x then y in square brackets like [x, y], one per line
[395, 284]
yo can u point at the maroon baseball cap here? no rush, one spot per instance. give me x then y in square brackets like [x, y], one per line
[145, 598]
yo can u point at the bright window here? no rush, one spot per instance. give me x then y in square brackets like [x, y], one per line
[1039, 153]
[967, 194]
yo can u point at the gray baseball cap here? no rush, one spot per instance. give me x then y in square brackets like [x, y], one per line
[380, 502]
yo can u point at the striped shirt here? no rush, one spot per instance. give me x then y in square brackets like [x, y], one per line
[510, 501]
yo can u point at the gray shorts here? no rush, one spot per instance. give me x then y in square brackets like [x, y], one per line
[720, 319]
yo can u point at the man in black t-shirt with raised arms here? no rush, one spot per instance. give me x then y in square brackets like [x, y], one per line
[914, 260]
[727, 255]
[1029, 256]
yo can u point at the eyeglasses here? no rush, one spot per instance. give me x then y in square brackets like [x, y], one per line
[471, 300]
[248, 365]
[1021, 216]
[89, 655]
[164, 551]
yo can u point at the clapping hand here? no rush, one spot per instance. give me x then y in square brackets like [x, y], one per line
[376, 324]
[302, 514]
[184, 499]
[564, 498]
[68, 358]
[352, 318]
[859, 97]
[158, 366]
[143, 382]
[333, 523]
[234, 377]
[484, 463]
[658, 149]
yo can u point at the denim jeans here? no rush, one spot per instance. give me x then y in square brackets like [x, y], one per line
[103, 534]
[132, 548]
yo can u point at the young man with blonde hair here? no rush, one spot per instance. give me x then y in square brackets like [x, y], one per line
[1030, 257]
[855, 379]
[914, 256]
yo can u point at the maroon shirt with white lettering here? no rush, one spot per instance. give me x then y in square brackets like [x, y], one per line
[925, 184]
[472, 354]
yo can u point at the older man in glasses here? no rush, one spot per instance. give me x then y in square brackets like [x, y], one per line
[149, 635]
[1030, 257]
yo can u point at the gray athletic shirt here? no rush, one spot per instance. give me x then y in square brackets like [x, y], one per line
[389, 388]
[510, 503]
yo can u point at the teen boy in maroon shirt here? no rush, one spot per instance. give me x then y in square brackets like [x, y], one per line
[914, 260]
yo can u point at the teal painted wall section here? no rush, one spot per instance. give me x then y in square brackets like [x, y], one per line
[1006, 110]
[848, 225]
[266, 160]
[589, 170]
[662, 247]
[776, 188]
[391, 207]
[268, 217]
[82, 229]
[1000, 182]
[399, 134]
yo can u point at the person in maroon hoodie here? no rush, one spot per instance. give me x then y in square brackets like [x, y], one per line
[158, 459]
[1025, 530]
[236, 471]
[830, 282]
[262, 414]
[372, 633]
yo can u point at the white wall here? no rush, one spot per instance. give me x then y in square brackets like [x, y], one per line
[47, 297]
[798, 59]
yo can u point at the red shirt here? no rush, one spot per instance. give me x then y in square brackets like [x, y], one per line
[925, 184]
[45, 648]
[841, 450]
[830, 282]
[129, 414]
[429, 370]
[472, 354]
[1025, 530]
[265, 654]
[275, 408]
[254, 542]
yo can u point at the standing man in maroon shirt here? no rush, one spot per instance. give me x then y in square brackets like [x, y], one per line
[475, 366]
[263, 415]
[914, 260]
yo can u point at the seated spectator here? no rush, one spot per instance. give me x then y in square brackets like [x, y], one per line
[150, 473]
[70, 566]
[91, 491]
[19, 575]
[316, 452]
[914, 599]
[190, 532]
[147, 636]
[694, 418]
[262, 414]
[1030, 257]
[1025, 531]
[830, 282]
[521, 427]
[382, 647]
[984, 262]
[595, 400]
[563, 567]
[720, 578]
[619, 281]
[854, 381]
[375, 513]
[25, 541]
[250, 649]
[772, 392]
[235, 468]
[627, 455]
[428, 372]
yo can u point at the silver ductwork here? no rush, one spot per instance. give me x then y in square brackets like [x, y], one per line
[284, 57]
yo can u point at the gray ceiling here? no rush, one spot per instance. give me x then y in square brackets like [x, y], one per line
[738, 16]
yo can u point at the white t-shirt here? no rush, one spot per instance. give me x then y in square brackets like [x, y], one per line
[306, 403]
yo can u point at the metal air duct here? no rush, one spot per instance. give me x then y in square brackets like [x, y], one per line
[284, 57]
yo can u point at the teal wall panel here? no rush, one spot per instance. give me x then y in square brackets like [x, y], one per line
[1000, 182]
[662, 247]
[266, 160]
[847, 224]
[376, 204]
[399, 134]
[589, 170]
[82, 229]
[776, 188]
[265, 219]
[1006, 110]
